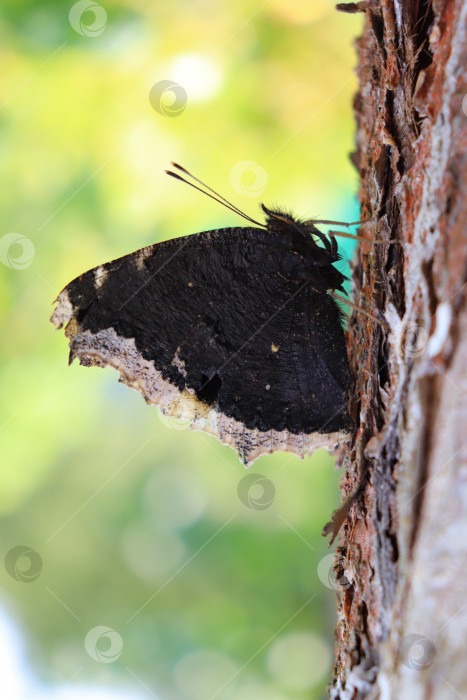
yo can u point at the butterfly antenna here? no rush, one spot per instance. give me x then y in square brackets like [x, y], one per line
[218, 197]
[219, 201]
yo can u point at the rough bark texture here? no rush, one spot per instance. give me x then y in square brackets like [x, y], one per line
[402, 630]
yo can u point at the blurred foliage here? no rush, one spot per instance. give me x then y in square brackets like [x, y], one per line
[137, 521]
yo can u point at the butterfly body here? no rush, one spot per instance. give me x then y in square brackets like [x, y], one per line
[232, 329]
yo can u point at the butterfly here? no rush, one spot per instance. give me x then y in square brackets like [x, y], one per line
[236, 330]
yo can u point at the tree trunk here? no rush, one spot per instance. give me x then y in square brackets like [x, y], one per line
[402, 559]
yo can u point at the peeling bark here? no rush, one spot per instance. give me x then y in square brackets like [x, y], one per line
[402, 554]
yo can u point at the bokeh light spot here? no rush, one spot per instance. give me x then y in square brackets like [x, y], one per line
[199, 76]
[299, 660]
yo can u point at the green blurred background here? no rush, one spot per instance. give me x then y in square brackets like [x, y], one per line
[131, 568]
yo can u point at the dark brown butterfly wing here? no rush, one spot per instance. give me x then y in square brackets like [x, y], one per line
[207, 327]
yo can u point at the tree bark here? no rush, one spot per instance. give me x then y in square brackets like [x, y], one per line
[402, 554]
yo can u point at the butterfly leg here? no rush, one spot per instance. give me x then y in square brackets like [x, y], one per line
[340, 223]
[345, 234]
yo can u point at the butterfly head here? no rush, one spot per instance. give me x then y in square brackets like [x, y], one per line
[306, 259]
[278, 221]
[303, 258]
